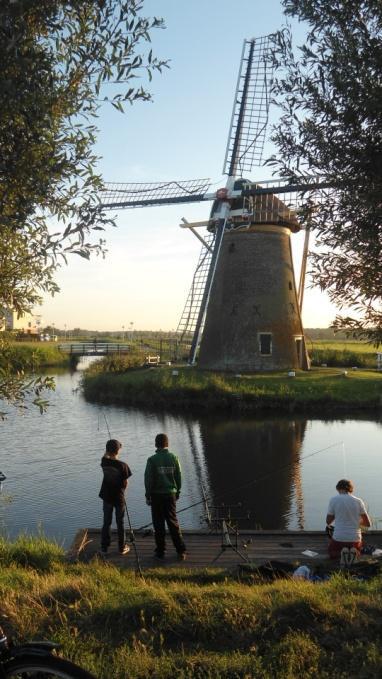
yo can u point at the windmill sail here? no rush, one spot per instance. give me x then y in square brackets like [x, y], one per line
[245, 139]
[189, 317]
[251, 108]
[126, 196]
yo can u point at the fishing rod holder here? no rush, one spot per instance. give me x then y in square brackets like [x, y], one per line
[219, 513]
[222, 519]
[227, 530]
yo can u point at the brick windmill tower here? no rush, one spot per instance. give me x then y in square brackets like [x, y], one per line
[244, 308]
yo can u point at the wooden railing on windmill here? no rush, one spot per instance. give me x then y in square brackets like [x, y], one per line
[244, 307]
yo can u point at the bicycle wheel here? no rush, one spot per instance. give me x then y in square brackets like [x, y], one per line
[43, 667]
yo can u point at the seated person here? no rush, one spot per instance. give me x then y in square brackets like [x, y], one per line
[349, 514]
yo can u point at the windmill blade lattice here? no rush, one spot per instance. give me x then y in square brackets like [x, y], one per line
[251, 108]
[189, 317]
[126, 196]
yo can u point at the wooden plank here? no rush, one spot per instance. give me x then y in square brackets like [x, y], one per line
[209, 549]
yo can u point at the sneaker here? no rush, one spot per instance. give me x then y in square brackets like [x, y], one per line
[102, 552]
[159, 555]
[344, 556]
[125, 550]
[182, 556]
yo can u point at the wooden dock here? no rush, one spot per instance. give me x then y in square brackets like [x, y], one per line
[213, 549]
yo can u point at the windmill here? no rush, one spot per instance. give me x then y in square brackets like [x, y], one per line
[244, 308]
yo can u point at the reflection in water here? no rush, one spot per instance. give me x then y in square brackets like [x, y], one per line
[200, 468]
[270, 466]
[255, 463]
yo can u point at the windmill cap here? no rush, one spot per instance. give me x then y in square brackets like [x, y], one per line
[268, 209]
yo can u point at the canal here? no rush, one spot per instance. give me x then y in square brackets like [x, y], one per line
[271, 473]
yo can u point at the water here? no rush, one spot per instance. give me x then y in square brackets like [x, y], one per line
[282, 470]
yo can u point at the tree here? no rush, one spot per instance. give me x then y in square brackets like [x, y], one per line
[56, 58]
[15, 387]
[331, 100]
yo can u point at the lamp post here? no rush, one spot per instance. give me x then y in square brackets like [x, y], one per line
[123, 333]
[131, 330]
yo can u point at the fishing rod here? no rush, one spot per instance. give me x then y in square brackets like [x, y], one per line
[131, 531]
[132, 540]
[107, 425]
[250, 483]
[206, 506]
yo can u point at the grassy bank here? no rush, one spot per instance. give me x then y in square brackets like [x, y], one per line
[187, 624]
[30, 356]
[339, 353]
[321, 389]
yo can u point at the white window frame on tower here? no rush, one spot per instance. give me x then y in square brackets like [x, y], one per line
[269, 334]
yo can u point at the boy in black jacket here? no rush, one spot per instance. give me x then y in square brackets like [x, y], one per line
[115, 480]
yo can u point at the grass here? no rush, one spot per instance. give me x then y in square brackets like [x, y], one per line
[207, 624]
[31, 551]
[342, 345]
[325, 388]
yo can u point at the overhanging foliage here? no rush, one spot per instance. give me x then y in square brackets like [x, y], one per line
[57, 56]
[330, 93]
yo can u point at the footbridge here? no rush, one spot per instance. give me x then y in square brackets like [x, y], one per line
[94, 348]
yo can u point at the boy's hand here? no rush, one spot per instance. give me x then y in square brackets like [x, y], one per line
[148, 501]
[177, 496]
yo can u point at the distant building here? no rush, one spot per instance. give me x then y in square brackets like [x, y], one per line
[29, 324]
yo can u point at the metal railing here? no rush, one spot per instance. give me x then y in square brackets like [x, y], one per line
[169, 349]
[95, 348]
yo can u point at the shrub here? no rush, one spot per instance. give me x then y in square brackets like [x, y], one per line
[342, 358]
[117, 363]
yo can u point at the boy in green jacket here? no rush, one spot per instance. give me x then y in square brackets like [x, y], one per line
[163, 481]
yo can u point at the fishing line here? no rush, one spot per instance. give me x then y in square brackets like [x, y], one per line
[206, 506]
[285, 466]
[250, 483]
[107, 424]
[344, 459]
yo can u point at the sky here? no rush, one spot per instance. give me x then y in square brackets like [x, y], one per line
[143, 282]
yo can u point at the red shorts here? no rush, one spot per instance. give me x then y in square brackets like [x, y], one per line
[335, 547]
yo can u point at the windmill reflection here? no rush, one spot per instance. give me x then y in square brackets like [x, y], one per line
[256, 464]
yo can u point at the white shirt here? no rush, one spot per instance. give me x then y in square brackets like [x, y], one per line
[347, 510]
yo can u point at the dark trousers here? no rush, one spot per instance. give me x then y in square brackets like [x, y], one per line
[163, 510]
[107, 519]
